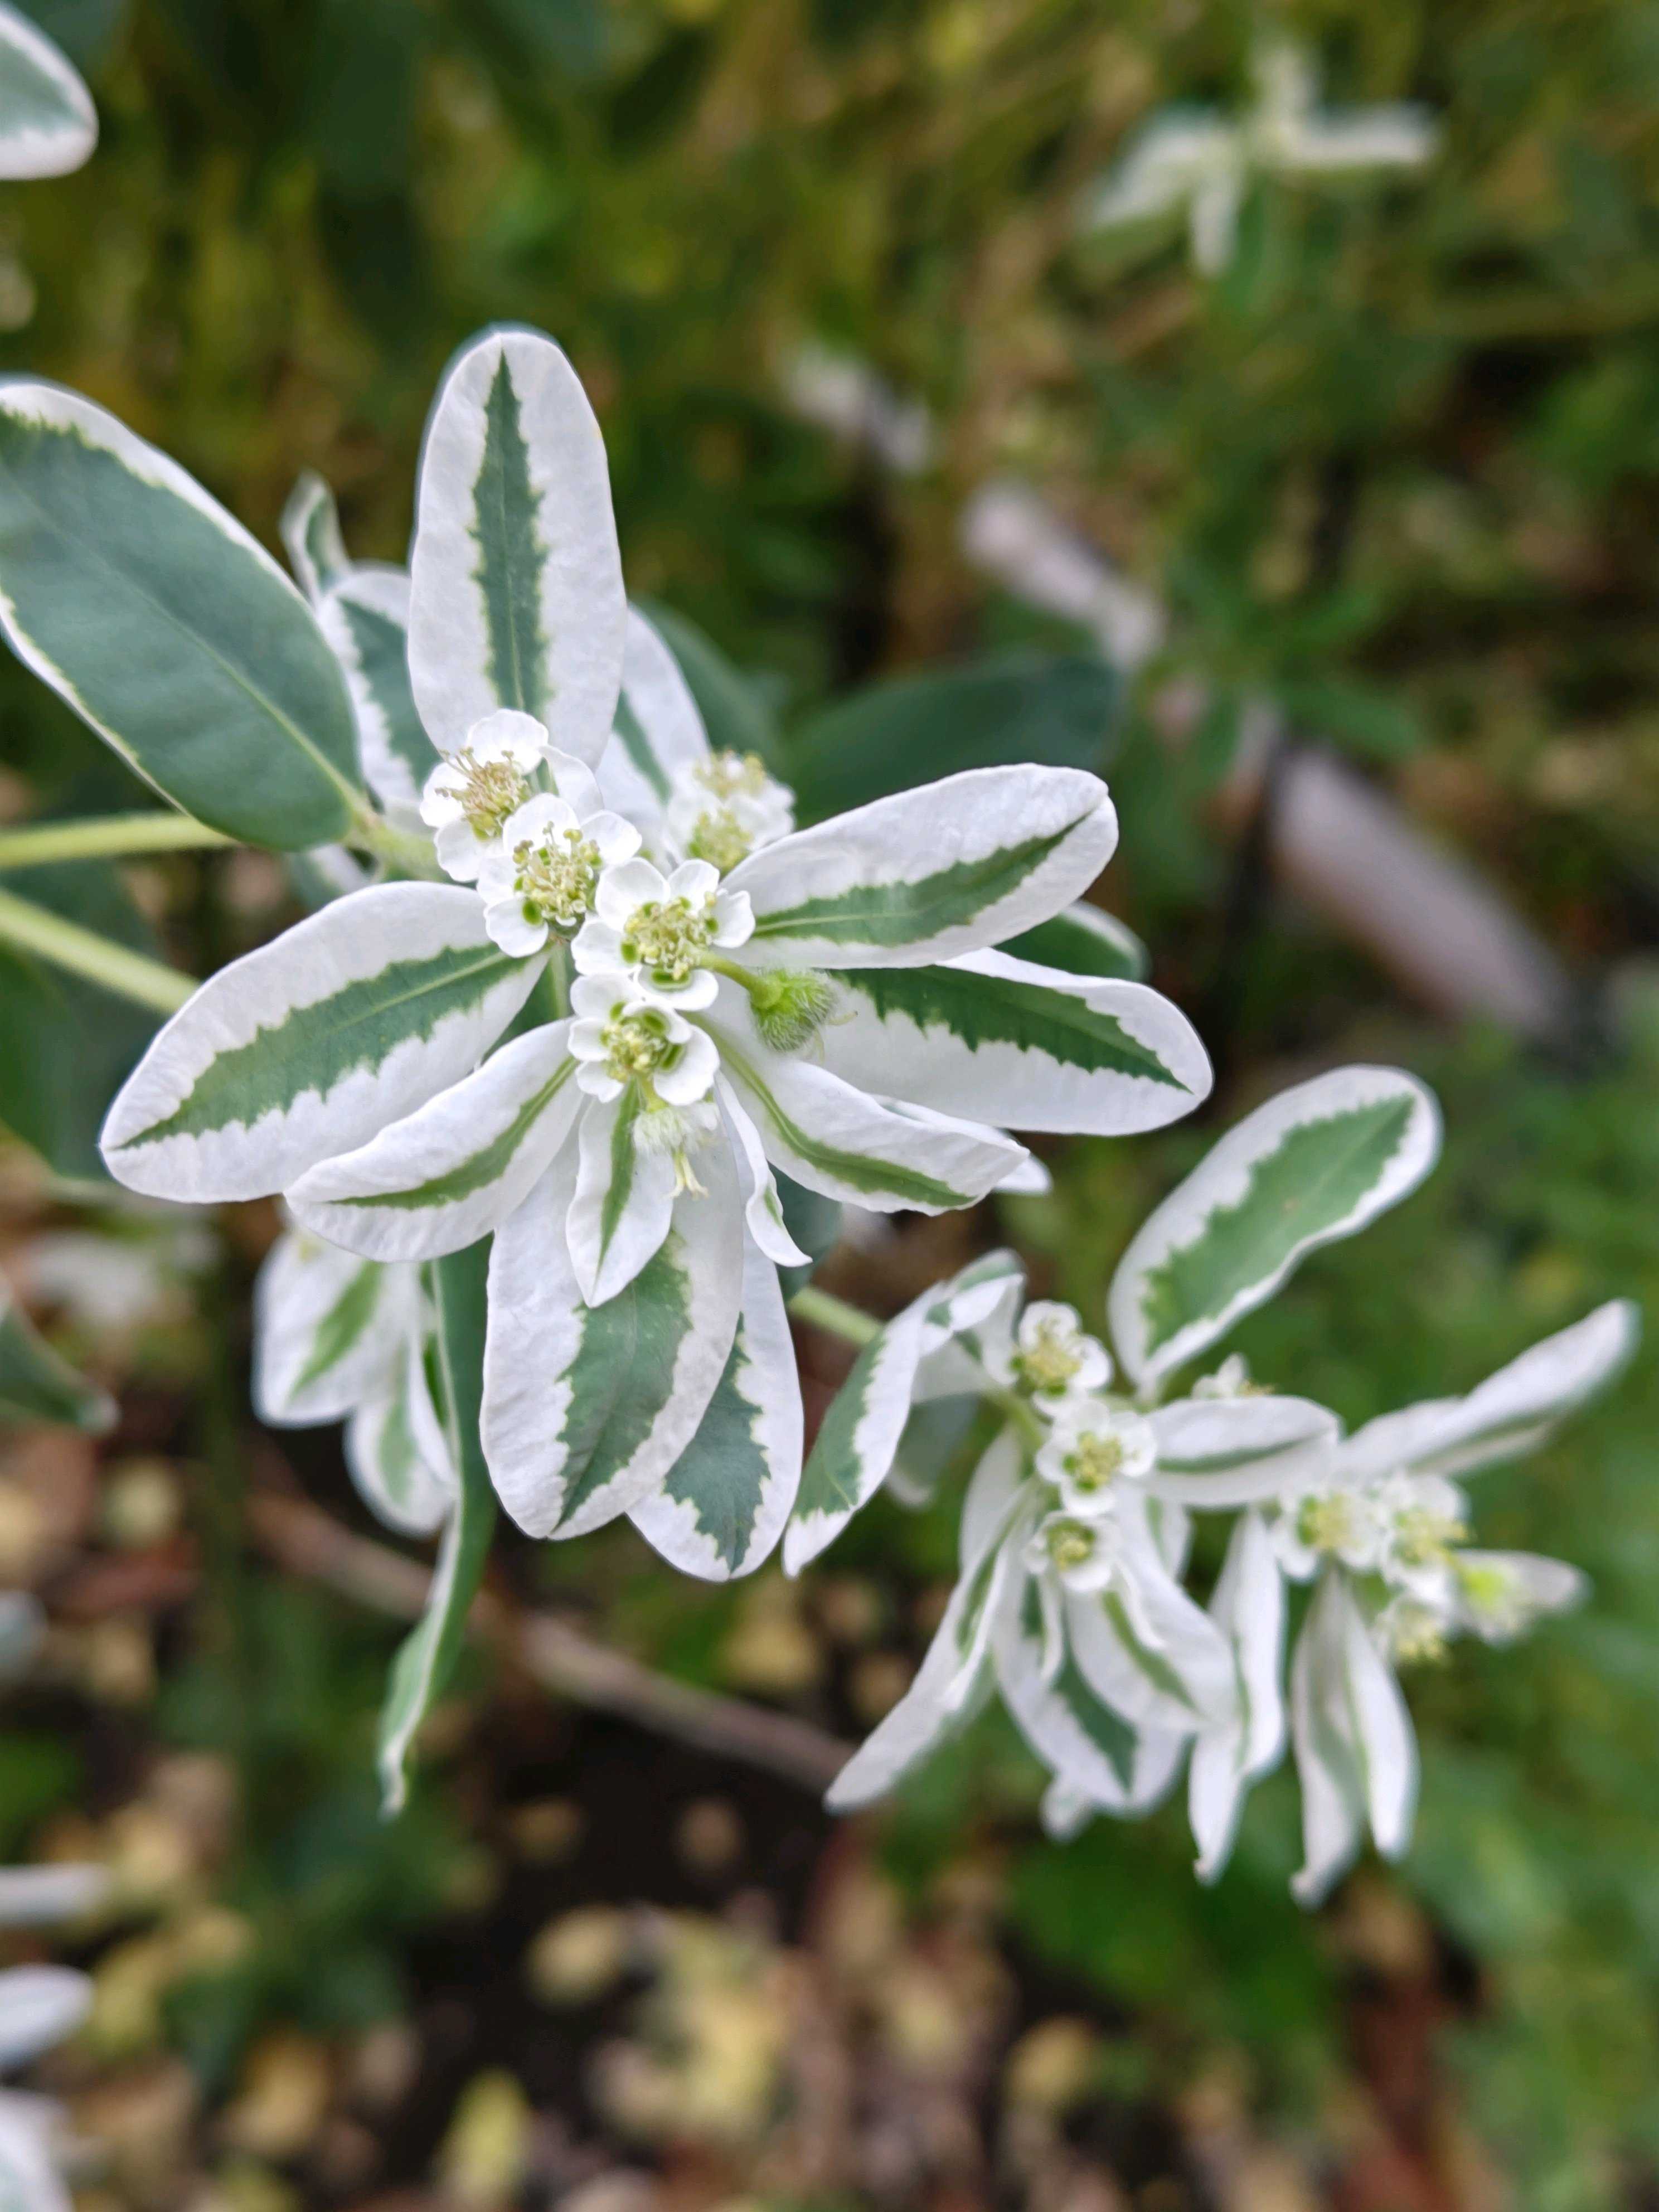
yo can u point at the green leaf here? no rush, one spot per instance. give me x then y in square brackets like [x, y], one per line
[735, 710]
[36, 1385]
[1084, 941]
[1057, 709]
[426, 1661]
[47, 122]
[132, 592]
[1316, 1162]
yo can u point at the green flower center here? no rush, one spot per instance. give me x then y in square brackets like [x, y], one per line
[1423, 1538]
[637, 1046]
[488, 792]
[1328, 1524]
[1416, 1636]
[1094, 1462]
[668, 936]
[1048, 1364]
[555, 878]
[1071, 1543]
[719, 838]
[726, 775]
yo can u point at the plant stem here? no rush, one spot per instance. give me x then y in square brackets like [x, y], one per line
[108, 837]
[66, 944]
[374, 834]
[823, 1310]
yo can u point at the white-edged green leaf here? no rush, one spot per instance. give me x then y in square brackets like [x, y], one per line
[1356, 1753]
[1314, 1164]
[658, 732]
[426, 1658]
[364, 615]
[310, 530]
[1031, 1047]
[1184, 1680]
[1084, 941]
[165, 627]
[450, 1172]
[949, 1683]
[1248, 1606]
[36, 1385]
[329, 1329]
[847, 1144]
[308, 1047]
[762, 1211]
[853, 1453]
[1119, 1768]
[587, 1407]
[396, 1450]
[722, 1506]
[949, 868]
[624, 1198]
[972, 1317]
[516, 592]
[1219, 1453]
[48, 125]
[1510, 1412]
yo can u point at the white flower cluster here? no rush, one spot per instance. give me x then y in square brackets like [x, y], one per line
[1076, 1532]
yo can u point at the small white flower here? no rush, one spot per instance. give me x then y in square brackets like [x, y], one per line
[1089, 1558]
[469, 796]
[1330, 1523]
[1231, 1380]
[1423, 1518]
[1092, 1448]
[1412, 1633]
[621, 1037]
[1499, 1595]
[541, 875]
[724, 806]
[656, 930]
[1052, 1357]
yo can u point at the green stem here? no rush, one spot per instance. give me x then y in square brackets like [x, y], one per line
[374, 834]
[66, 944]
[108, 837]
[824, 1310]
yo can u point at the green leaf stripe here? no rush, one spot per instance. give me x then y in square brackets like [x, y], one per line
[857, 1169]
[1315, 1178]
[829, 1482]
[382, 650]
[1109, 1733]
[622, 1374]
[1152, 1664]
[511, 555]
[485, 1166]
[900, 913]
[986, 1010]
[624, 1159]
[722, 1473]
[341, 1326]
[315, 1047]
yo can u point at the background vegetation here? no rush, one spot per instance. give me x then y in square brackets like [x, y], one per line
[1396, 471]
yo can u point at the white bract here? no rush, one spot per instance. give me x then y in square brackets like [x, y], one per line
[618, 1007]
[1198, 164]
[1075, 1526]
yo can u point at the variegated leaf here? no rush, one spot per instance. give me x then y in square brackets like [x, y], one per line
[516, 593]
[1084, 941]
[310, 528]
[308, 1047]
[452, 1171]
[328, 1330]
[1248, 1606]
[858, 1437]
[624, 1201]
[658, 732]
[396, 1450]
[1356, 1751]
[36, 1385]
[201, 664]
[587, 1408]
[842, 1142]
[426, 1659]
[1316, 1162]
[1032, 1048]
[1219, 1453]
[48, 125]
[951, 868]
[722, 1506]
[1184, 1680]
[365, 617]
